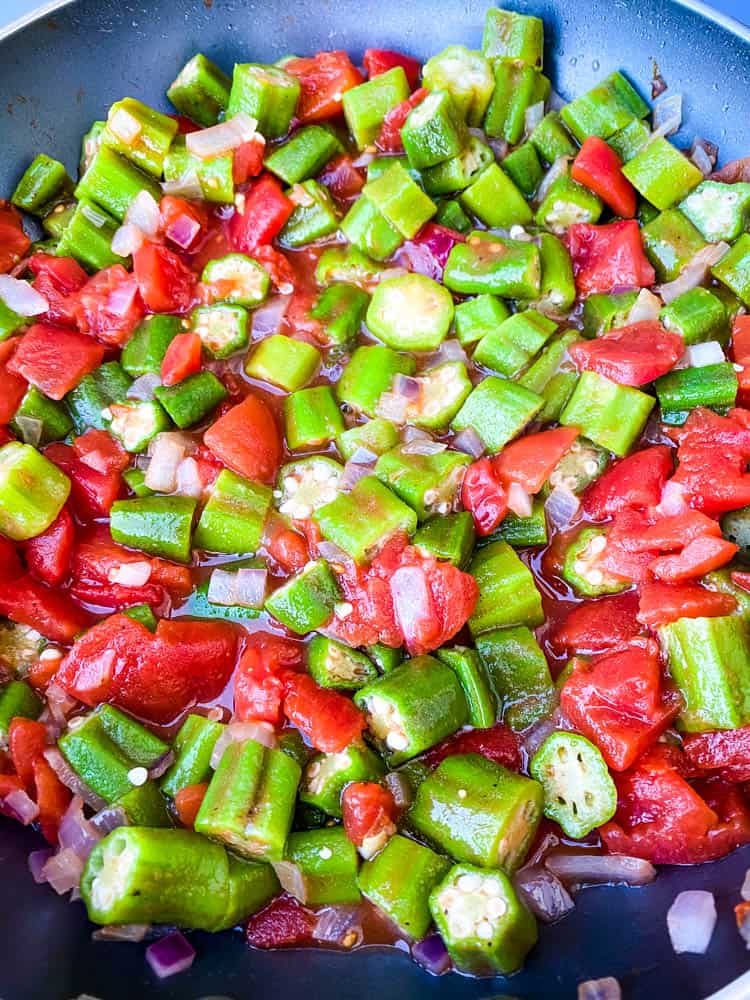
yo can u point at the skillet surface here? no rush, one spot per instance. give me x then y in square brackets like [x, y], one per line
[62, 72]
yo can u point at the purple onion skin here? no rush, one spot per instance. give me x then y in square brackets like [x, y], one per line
[432, 955]
[170, 955]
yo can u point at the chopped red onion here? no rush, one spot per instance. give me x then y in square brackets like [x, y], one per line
[363, 456]
[122, 932]
[182, 231]
[21, 805]
[701, 159]
[170, 955]
[143, 387]
[667, 116]
[162, 765]
[469, 442]
[189, 482]
[424, 446]
[63, 870]
[538, 733]
[22, 297]
[691, 920]
[582, 868]
[131, 574]
[694, 273]
[406, 386]
[499, 147]
[519, 501]
[240, 732]
[558, 169]
[221, 588]
[167, 450]
[432, 955]
[353, 472]
[449, 350]
[71, 780]
[561, 506]
[108, 819]
[392, 406]
[208, 143]
[120, 300]
[333, 554]
[532, 116]
[340, 925]
[76, 832]
[186, 186]
[268, 318]
[709, 152]
[412, 433]
[290, 877]
[672, 500]
[646, 307]
[600, 989]
[250, 587]
[543, 893]
[59, 703]
[37, 860]
[143, 212]
[29, 429]
[745, 890]
[363, 160]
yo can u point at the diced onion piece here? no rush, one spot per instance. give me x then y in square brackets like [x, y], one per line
[143, 212]
[124, 126]
[221, 588]
[582, 868]
[162, 765]
[63, 870]
[745, 890]
[127, 240]
[691, 920]
[76, 831]
[469, 442]
[167, 450]
[333, 554]
[710, 352]
[558, 169]
[532, 116]
[561, 506]
[267, 319]
[424, 446]
[189, 482]
[363, 160]
[186, 186]
[240, 732]
[555, 102]
[499, 147]
[600, 989]
[646, 307]
[170, 955]
[132, 574]
[133, 933]
[208, 143]
[694, 273]
[108, 819]
[183, 231]
[543, 893]
[250, 587]
[392, 406]
[21, 805]
[449, 350]
[22, 297]
[519, 501]
[120, 299]
[340, 925]
[363, 456]
[701, 159]
[143, 387]
[29, 429]
[407, 386]
[290, 877]
[667, 116]
[71, 780]
[672, 500]
[353, 472]
[432, 955]
[400, 789]
[37, 860]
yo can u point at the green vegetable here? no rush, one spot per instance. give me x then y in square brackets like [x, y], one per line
[267, 94]
[507, 592]
[159, 525]
[32, 491]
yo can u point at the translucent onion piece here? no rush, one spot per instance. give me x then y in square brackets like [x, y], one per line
[600, 989]
[558, 169]
[469, 442]
[593, 869]
[170, 955]
[691, 920]
[207, 143]
[189, 482]
[122, 932]
[432, 955]
[353, 472]
[532, 116]
[561, 506]
[187, 186]
[37, 860]
[127, 240]
[131, 574]
[21, 805]
[143, 387]
[340, 925]
[76, 832]
[108, 819]
[290, 877]
[250, 587]
[667, 116]
[694, 273]
[710, 352]
[29, 429]
[519, 501]
[143, 212]
[646, 307]
[221, 588]
[268, 318]
[63, 870]
[543, 893]
[745, 890]
[22, 297]
[167, 450]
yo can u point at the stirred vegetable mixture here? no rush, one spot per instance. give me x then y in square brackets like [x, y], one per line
[374, 503]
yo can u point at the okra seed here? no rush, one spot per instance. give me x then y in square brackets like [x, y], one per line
[596, 577]
[325, 853]
[343, 609]
[496, 907]
[468, 883]
[291, 485]
[397, 741]
[491, 887]
[484, 930]
[286, 288]
[590, 467]
[597, 544]
[138, 776]
[50, 653]
[460, 926]
[461, 793]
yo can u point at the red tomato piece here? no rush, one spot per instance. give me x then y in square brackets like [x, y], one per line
[248, 159]
[342, 178]
[12, 387]
[182, 222]
[598, 167]
[675, 531]
[109, 306]
[369, 813]
[636, 481]
[51, 612]
[92, 493]
[27, 740]
[372, 618]
[165, 283]
[188, 801]
[530, 460]
[697, 558]
[286, 547]
[741, 579]
[58, 279]
[100, 451]
[10, 564]
[52, 797]
[634, 355]
[661, 603]
[608, 257]
[263, 216]
[328, 719]
[284, 923]
[323, 78]
[182, 358]
[623, 555]
[483, 496]
[279, 269]
[719, 751]
[14, 243]
[55, 359]
[598, 626]
[48, 555]
[741, 355]
[498, 743]
[389, 138]
[616, 701]
[432, 601]
[377, 61]
[247, 439]
[429, 250]
[712, 457]
[258, 683]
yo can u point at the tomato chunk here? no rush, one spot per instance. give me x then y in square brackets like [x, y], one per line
[165, 283]
[727, 752]
[263, 216]
[369, 813]
[58, 279]
[598, 167]
[634, 355]
[531, 460]
[284, 923]
[52, 797]
[498, 743]
[258, 684]
[483, 496]
[10, 564]
[342, 178]
[377, 61]
[188, 801]
[323, 79]
[12, 390]
[741, 355]
[389, 139]
[712, 456]
[51, 612]
[328, 719]
[609, 257]
[697, 558]
[247, 439]
[109, 306]
[92, 492]
[182, 358]
[54, 358]
[635, 481]
[14, 242]
[676, 531]
[661, 603]
[48, 555]
[27, 740]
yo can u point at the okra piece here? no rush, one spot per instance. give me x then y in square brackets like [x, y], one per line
[511, 346]
[697, 315]
[385, 658]
[605, 312]
[369, 374]
[232, 521]
[333, 664]
[222, 328]
[328, 774]
[143, 614]
[32, 491]
[239, 279]
[368, 230]
[609, 414]
[580, 566]
[340, 311]
[399, 880]
[735, 527]
[88, 235]
[284, 361]
[17, 700]
[327, 863]
[44, 180]
[306, 601]
[312, 418]
[449, 537]
[428, 483]
[721, 580]
[519, 674]
[400, 200]
[606, 109]
[517, 87]
[366, 106]
[508, 35]
[495, 200]
[523, 532]
[567, 202]
[200, 91]
[434, 131]
[192, 748]
[410, 313]
[250, 799]
[135, 423]
[498, 410]
[378, 166]
[507, 592]
[670, 242]
[662, 174]
[215, 176]
[362, 521]
[467, 76]
[88, 404]
[304, 155]
[478, 812]
[198, 605]
[140, 133]
[144, 352]
[314, 217]
[580, 466]
[159, 525]
[113, 182]
[10, 321]
[524, 169]
[265, 93]
[685, 388]
[551, 139]
[376, 436]
[144, 805]
[439, 394]
[709, 660]
[471, 673]
[485, 926]
[579, 792]
[307, 484]
[733, 270]
[192, 399]
[477, 317]
[457, 173]
[413, 707]
[558, 290]
[140, 875]
[718, 211]
[53, 417]
[90, 144]
[489, 263]
[452, 216]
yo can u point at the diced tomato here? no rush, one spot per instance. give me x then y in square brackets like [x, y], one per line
[51, 612]
[279, 269]
[427, 253]
[616, 701]
[389, 138]
[10, 564]
[27, 740]
[155, 676]
[54, 358]
[100, 451]
[263, 216]
[598, 167]
[609, 257]
[675, 531]
[498, 743]
[48, 555]
[184, 125]
[92, 492]
[342, 178]
[248, 159]
[258, 682]
[299, 321]
[712, 458]
[372, 617]
[182, 222]
[12, 389]
[109, 306]
[741, 579]
[634, 355]
[14, 242]
[188, 801]
[58, 279]
[661, 603]
[247, 439]
[165, 283]
[182, 358]
[286, 547]
[597, 626]
[432, 601]
[623, 556]
[328, 719]
[377, 61]
[483, 496]
[697, 558]
[636, 481]
[52, 797]
[42, 673]
[741, 355]
[369, 812]
[284, 923]
[323, 78]
[530, 460]
[726, 752]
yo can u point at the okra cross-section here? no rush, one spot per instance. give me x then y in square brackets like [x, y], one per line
[327, 774]
[410, 313]
[428, 483]
[335, 665]
[362, 521]
[307, 484]
[307, 600]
